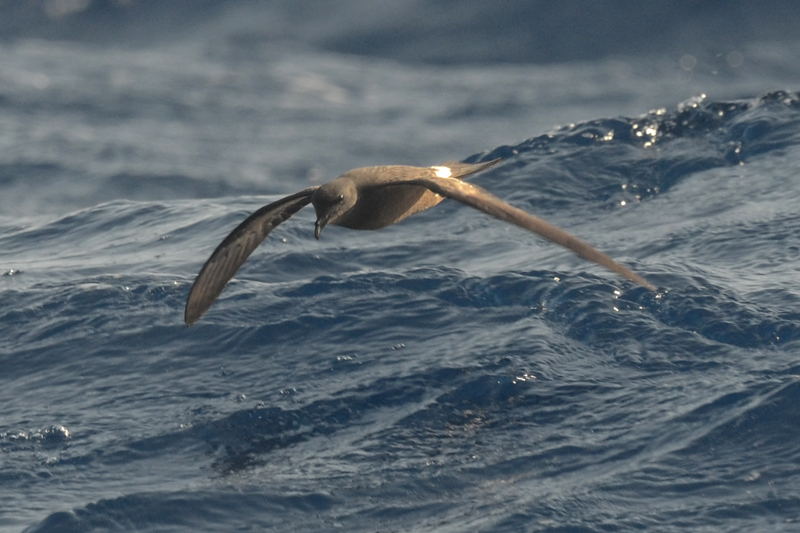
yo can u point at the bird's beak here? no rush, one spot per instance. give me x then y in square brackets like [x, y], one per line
[318, 227]
[323, 220]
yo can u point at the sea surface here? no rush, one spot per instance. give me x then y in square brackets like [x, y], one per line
[451, 373]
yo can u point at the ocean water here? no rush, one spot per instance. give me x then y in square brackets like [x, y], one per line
[449, 373]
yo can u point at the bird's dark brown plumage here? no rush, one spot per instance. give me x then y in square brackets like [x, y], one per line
[373, 198]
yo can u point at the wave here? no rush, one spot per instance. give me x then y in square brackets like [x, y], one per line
[449, 370]
[429, 32]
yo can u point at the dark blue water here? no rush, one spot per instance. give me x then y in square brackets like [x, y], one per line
[450, 373]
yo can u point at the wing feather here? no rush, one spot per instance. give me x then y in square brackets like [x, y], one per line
[236, 248]
[483, 200]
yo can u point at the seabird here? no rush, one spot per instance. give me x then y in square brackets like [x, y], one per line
[373, 198]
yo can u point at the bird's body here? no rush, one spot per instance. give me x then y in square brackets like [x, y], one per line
[382, 202]
[373, 198]
[415, 199]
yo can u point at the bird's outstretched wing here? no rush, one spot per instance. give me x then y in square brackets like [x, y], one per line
[235, 250]
[481, 199]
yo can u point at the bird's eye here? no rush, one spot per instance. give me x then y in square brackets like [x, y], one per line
[340, 197]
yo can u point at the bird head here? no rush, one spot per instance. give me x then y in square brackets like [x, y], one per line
[331, 201]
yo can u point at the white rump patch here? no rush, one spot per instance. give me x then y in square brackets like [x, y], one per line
[442, 172]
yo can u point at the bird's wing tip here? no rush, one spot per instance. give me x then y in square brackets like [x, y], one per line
[192, 313]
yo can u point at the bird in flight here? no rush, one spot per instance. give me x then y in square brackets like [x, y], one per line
[373, 198]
